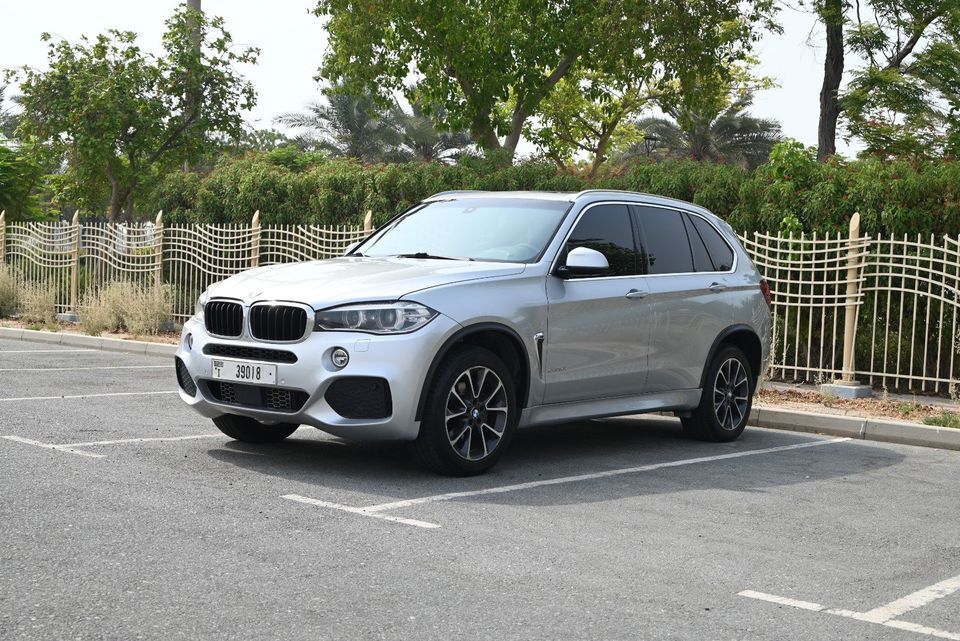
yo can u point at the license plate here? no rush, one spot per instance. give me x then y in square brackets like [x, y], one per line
[245, 371]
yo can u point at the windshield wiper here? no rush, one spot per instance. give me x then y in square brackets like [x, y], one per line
[426, 255]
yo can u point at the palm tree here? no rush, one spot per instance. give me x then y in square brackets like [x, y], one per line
[423, 141]
[731, 135]
[348, 126]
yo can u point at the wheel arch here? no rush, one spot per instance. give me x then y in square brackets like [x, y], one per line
[746, 339]
[499, 339]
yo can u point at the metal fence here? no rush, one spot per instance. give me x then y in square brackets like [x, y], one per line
[882, 310]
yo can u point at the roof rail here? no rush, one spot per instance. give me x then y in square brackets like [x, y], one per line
[603, 191]
[454, 192]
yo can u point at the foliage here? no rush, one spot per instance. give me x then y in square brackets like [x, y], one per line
[348, 126]
[946, 418]
[8, 119]
[119, 115]
[38, 304]
[9, 291]
[422, 140]
[905, 99]
[123, 305]
[893, 197]
[19, 180]
[587, 112]
[490, 63]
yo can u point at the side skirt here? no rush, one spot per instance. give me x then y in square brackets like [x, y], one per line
[678, 400]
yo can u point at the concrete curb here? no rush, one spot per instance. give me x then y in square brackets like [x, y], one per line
[870, 429]
[89, 342]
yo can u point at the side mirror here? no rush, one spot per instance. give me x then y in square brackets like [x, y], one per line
[351, 247]
[583, 261]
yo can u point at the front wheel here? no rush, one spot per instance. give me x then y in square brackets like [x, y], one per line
[470, 414]
[726, 400]
[248, 430]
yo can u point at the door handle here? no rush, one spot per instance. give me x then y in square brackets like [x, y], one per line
[717, 287]
[636, 294]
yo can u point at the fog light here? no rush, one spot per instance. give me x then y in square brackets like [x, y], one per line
[339, 357]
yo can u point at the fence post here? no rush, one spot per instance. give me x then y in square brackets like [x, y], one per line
[75, 268]
[255, 244]
[158, 249]
[847, 386]
[368, 223]
[3, 236]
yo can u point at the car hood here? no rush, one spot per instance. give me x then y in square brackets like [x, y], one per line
[324, 283]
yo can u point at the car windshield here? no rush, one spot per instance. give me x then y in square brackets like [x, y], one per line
[488, 229]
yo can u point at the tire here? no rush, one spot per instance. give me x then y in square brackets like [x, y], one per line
[468, 436]
[248, 430]
[726, 399]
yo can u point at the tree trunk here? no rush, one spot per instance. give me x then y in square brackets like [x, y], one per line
[116, 202]
[603, 143]
[832, 14]
[192, 98]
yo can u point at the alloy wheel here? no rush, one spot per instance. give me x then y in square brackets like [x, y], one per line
[476, 413]
[731, 392]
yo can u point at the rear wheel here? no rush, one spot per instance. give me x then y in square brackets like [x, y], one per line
[248, 430]
[470, 414]
[726, 400]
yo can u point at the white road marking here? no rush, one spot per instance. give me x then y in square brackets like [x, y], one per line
[43, 351]
[81, 369]
[913, 601]
[358, 510]
[72, 396]
[883, 615]
[598, 475]
[51, 446]
[152, 439]
[375, 510]
[782, 600]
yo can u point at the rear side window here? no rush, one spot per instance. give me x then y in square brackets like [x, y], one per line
[607, 229]
[665, 241]
[701, 257]
[720, 253]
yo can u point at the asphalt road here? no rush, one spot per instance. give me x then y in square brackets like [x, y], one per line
[125, 516]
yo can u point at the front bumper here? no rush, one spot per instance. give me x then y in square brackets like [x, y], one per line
[402, 360]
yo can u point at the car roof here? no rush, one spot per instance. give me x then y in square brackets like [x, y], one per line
[586, 196]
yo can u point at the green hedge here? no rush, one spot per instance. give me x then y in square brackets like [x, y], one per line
[792, 192]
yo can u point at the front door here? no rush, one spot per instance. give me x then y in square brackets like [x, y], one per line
[597, 339]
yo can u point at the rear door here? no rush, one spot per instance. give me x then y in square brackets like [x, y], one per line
[688, 307]
[596, 343]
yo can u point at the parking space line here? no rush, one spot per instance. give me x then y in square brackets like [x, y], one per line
[913, 601]
[598, 475]
[80, 369]
[75, 396]
[151, 439]
[44, 351]
[71, 448]
[883, 615]
[358, 510]
[51, 446]
[375, 510]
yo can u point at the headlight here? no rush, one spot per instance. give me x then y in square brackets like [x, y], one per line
[385, 318]
[198, 311]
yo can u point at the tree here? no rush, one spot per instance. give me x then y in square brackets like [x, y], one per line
[490, 63]
[348, 126]
[590, 113]
[905, 97]
[423, 141]
[119, 115]
[19, 179]
[8, 119]
[709, 121]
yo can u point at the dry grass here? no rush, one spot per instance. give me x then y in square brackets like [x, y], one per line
[38, 305]
[124, 306]
[9, 292]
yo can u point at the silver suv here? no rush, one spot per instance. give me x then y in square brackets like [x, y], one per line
[473, 314]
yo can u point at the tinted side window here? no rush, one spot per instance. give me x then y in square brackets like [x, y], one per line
[701, 258]
[665, 241]
[720, 251]
[607, 229]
